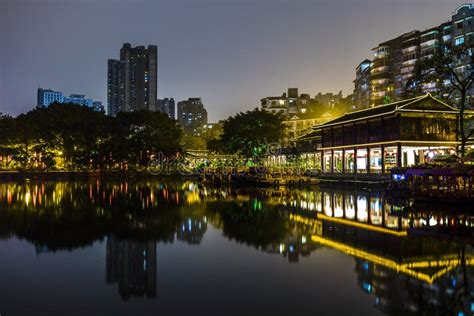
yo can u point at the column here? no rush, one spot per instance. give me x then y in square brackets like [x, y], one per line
[332, 160]
[382, 148]
[355, 160]
[399, 155]
[343, 160]
[368, 160]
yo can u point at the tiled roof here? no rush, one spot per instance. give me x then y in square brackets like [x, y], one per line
[429, 104]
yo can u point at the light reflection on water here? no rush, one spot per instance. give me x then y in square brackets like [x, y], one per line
[408, 257]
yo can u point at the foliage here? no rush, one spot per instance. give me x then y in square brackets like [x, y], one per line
[74, 137]
[450, 81]
[249, 133]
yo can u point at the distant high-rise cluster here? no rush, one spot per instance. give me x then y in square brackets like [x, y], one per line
[192, 115]
[132, 80]
[385, 78]
[47, 96]
[167, 106]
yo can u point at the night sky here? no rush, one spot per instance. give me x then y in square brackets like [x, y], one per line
[231, 53]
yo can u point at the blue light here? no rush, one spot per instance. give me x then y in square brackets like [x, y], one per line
[365, 266]
[367, 287]
[398, 177]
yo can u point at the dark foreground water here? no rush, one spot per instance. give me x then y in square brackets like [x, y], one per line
[158, 248]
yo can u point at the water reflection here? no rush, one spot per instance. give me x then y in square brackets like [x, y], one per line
[408, 257]
[132, 265]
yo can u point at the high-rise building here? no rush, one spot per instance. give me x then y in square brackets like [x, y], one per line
[192, 115]
[167, 106]
[132, 80]
[362, 90]
[392, 67]
[47, 96]
[394, 62]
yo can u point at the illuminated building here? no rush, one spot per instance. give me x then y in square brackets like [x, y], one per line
[192, 115]
[328, 100]
[132, 80]
[393, 64]
[362, 87]
[166, 106]
[290, 104]
[299, 124]
[399, 134]
[98, 107]
[47, 96]
[394, 60]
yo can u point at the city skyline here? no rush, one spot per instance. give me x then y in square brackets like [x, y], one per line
[228, 54]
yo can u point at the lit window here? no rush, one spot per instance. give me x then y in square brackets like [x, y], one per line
[459, 41]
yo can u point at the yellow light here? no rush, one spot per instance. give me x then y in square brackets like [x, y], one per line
[399, 268]
[362, 225]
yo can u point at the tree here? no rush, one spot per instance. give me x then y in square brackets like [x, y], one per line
[452, 81]
[74, 137]
[139, 135]
[249, 133]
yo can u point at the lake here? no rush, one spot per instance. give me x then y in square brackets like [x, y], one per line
[167, 247]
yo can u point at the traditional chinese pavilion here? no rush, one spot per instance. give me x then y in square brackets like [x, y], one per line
[400, 134]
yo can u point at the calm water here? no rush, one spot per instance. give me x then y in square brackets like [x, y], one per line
[158, 248]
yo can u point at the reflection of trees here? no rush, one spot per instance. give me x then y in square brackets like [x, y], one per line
[251, 222]
[66, 215]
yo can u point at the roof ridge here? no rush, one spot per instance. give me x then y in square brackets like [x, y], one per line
[415, 100]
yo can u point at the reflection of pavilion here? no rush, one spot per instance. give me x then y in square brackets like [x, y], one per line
[398, 294]
[131, 264]
[192, 230]
[405, 273]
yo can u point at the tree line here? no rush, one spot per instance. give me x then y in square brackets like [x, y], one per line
[74, 137]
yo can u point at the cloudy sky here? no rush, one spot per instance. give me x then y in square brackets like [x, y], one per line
[229, 52]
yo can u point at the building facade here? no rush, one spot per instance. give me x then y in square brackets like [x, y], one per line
[98, 106]
[47, 96]
[394, 61]
[132, 80]
[400, 134]
[292, 103]
[362, 86]
[192, 115]
[167, 106]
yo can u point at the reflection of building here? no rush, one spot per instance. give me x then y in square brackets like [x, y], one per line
[132, 80]
[132, 265]
[374, 140]
[192, 230]
[293, 247]
[406, 273]
[399, 294]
